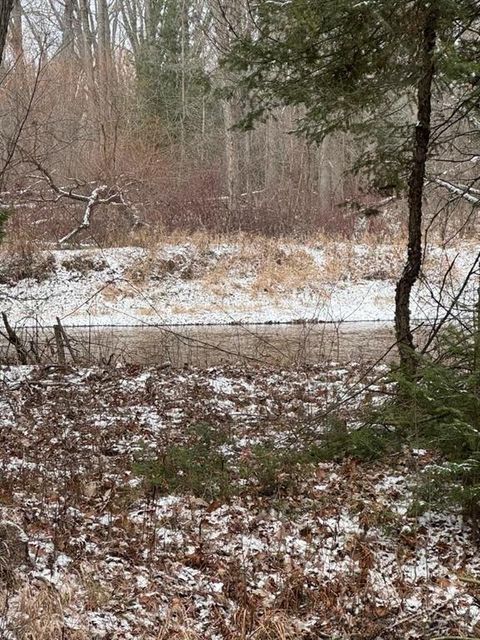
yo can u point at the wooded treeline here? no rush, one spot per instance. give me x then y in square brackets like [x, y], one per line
[131, 95]
[401, 77]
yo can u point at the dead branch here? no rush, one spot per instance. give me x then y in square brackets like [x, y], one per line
[101, 195]
[14, 340]
[66, 340]
[92, 201]
[460, 190]
[60, 346]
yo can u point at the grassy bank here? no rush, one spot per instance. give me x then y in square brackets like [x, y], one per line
[231, 279]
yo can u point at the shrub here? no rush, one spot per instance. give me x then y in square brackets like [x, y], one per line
[197, 468]
[25, 263]
[200, 467]
[368, 441]
[440, 410]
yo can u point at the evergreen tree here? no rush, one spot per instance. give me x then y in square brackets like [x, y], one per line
[171, 75]
[376, 69]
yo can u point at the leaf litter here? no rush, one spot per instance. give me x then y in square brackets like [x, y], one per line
[337, 554]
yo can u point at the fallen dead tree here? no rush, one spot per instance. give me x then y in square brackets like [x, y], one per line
[101, 195]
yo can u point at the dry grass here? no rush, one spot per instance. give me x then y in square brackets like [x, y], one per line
[368, 260]
[40, 614]
[84, 264]
[268, 265]
[223, 264]
[155, 267]
[283, 270]
[176, 625]
[22, 259]
[270, 625]
[96, 595]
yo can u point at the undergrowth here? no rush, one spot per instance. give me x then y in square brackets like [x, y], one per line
[24, 262]
[369, 441]
[211, 467]
[439, 410]
[444, 414]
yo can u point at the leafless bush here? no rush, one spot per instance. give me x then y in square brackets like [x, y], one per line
[24, 262]
[84, 264]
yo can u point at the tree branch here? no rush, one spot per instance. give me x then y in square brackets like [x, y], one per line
[92, 201]
[459, 190]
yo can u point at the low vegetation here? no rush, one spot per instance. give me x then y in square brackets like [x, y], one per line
[439, 412]
[25, 262]
[204, 466]
[200, 498]
[271, 264]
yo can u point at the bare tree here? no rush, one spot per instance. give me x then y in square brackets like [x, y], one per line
[223, 33]
[67, 27]
[6, 7]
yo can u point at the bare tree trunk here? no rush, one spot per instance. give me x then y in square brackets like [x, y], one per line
[184, 36]
[88, 43]
[6, 7]
[229, 115]
[68, 39]
[16, 32]
[16, 44]
[107, 71]
[106, 87]
[231, 154]
[411, 271]
[248, 165]
[269, 163]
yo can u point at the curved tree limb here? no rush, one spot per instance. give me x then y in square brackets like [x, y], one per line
[101, 195]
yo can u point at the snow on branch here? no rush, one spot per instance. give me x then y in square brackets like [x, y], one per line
[100, 195]
[93, 200]
[460, 190]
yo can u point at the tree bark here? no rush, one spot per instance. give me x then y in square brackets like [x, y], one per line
[106, 87]
[16, 32]
[5, 11]
[68, 37]
[88, 43]
[231, 155]
[223, 36]
[411, 271]
[16, 45]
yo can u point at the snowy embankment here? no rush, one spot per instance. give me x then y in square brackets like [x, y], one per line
[224, 283]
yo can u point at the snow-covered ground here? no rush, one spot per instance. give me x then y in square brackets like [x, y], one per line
[334, 551]
[227, 283]
[95, 543]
